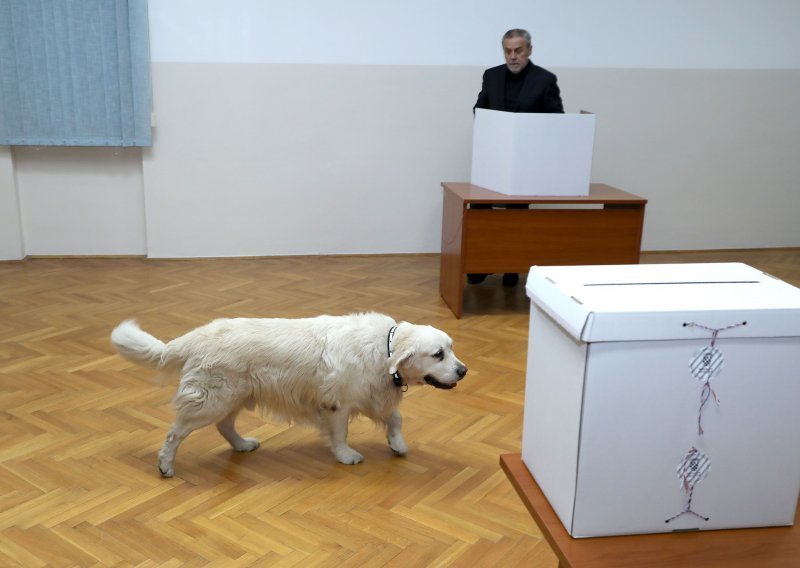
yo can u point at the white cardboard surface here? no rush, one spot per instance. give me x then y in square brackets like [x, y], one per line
[628, 302]
[607, 422]
[532, 153]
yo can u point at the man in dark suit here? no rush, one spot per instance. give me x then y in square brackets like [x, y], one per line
[517, 86]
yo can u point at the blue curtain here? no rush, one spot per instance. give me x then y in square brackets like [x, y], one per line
[74, 73]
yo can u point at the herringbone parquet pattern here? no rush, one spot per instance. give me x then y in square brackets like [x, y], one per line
[81, 427]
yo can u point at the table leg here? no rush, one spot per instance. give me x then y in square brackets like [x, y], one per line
[451, 268]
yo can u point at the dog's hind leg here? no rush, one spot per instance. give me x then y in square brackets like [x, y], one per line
[394, 435]
[177, 433]
[227, 428]
[335, 422]
[200, 401]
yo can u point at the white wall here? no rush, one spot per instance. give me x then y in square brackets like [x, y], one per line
[327, 127]
[677, 34]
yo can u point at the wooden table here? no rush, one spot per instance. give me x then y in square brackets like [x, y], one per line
[604, 227]
[774, 547]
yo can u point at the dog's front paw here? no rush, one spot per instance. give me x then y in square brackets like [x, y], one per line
[348, 456]
[165, 469]
[398, 445]
[247, 445]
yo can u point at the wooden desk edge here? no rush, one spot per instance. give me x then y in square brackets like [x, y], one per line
[785, 539]
[512, 465]
[598, 193]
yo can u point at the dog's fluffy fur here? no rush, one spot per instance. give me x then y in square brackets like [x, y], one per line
[319, 371]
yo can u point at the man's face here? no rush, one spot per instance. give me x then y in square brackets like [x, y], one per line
[517, 53]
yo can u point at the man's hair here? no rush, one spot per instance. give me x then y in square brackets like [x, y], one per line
[516, 32]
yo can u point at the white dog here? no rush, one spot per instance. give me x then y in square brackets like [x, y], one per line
[319, 371]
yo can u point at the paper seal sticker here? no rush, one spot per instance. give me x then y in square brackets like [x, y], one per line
[706, 363]
[693, 468]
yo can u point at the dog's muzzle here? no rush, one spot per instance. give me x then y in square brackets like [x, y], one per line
[461, 372]
[434, 383]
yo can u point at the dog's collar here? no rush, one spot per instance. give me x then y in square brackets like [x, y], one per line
[396, 378]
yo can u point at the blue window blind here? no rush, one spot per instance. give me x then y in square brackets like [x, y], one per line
[74, 73]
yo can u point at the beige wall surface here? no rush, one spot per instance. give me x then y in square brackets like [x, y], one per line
[715, 151]
[269, 159]
[80, 201]
[287, 159]
[11, 245]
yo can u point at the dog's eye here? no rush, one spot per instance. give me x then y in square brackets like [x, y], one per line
[439, 355]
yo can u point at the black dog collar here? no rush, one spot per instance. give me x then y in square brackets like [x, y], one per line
[396, 378]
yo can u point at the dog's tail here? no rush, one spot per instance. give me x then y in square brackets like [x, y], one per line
[139, 346]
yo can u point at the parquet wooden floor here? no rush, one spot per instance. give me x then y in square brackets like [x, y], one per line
[81, 427]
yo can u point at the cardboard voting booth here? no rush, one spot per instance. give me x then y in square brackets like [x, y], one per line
[663, 398]
[532, 153]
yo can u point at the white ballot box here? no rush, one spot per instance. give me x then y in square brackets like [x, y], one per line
[663, 398]
[532, 153]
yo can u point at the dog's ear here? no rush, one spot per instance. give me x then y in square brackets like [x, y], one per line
[399, 357]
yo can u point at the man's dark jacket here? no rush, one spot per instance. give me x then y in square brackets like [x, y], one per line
[539, 91]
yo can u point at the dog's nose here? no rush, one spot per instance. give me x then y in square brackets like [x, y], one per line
[461, 371]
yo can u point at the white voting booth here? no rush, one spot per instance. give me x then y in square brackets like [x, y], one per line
[532, 153]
